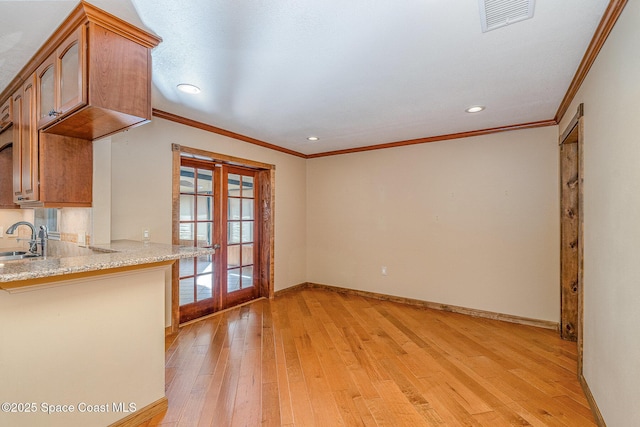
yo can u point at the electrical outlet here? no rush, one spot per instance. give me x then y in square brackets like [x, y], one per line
[81, 239]
[146, 235]
[384, 271]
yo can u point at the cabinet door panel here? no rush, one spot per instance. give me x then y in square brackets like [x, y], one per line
[29, 142]
[46, 76]
[62, 80]
[71, 65]
[6, 114]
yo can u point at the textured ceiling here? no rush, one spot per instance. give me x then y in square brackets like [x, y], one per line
[352, 73]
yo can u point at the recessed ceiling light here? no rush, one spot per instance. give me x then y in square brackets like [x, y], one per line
[475, 109]
[313, 138]
[187, 88]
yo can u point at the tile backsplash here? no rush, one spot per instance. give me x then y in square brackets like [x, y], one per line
[9, 217]
[73, 224]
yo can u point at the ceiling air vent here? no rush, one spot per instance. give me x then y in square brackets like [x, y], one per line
[500, 13]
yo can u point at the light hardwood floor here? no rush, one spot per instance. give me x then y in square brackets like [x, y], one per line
[313, 357]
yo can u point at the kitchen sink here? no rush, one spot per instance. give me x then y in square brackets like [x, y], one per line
[16, 255]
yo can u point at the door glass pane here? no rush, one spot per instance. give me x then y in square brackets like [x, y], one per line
[69, 79]
[204, 288]
[205, 208]
[247, 231]
[247, 277]
[247, 254]
[234, 208]
[187, 207]
[186, 291]
[233, 256]
[233, 280]
[247, 186]
[205, 181]
[46, 93]
[205, 264]
[233, 182]
[186, 267]
[204, 234]
[233, 232]
[186, 180]
[247, 208]
[186, 234]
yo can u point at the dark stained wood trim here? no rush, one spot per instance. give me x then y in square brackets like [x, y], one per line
[219, 312]
[592, 401]
[208, 128]
[222, 158]
[297, 287]
[569, 237]
[118, 26]
[175, 239]
[143, 414]
[545, 324]
[580, 343]
[266, 183]
[480, 132]
[213, 129]
[572, 124]
[609, 19]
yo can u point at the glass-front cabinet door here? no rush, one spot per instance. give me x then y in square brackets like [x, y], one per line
[61, 79]
[46, 104]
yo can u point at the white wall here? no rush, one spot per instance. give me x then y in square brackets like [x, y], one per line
[101, 211]
[141, 187]
[95, 341]
[610, 95]
[471, 222]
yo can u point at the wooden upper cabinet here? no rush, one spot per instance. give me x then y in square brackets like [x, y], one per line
[25, 143]
[62, 80]
[6, 114]
[6, 159]
[48, 170]
[6, 166]
[93, 76]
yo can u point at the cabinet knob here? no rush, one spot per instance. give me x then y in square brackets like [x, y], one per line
[54, 113]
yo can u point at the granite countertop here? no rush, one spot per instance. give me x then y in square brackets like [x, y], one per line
[67, 258]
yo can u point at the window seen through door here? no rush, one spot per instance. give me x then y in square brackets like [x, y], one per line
[240, 231]
[196, 229]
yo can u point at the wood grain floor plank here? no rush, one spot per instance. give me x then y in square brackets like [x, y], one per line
[284, 389]
[312, 357]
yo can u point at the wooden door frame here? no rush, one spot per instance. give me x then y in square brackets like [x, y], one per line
[574, 133]
[265, 209]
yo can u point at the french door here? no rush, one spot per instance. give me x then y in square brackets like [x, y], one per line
[217, 210]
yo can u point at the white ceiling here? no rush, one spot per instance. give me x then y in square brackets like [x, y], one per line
[353, 73]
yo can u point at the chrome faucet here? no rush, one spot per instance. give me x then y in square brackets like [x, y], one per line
[33, 243]
[43, 234]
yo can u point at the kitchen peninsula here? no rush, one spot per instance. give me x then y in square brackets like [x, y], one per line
[82, 338]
